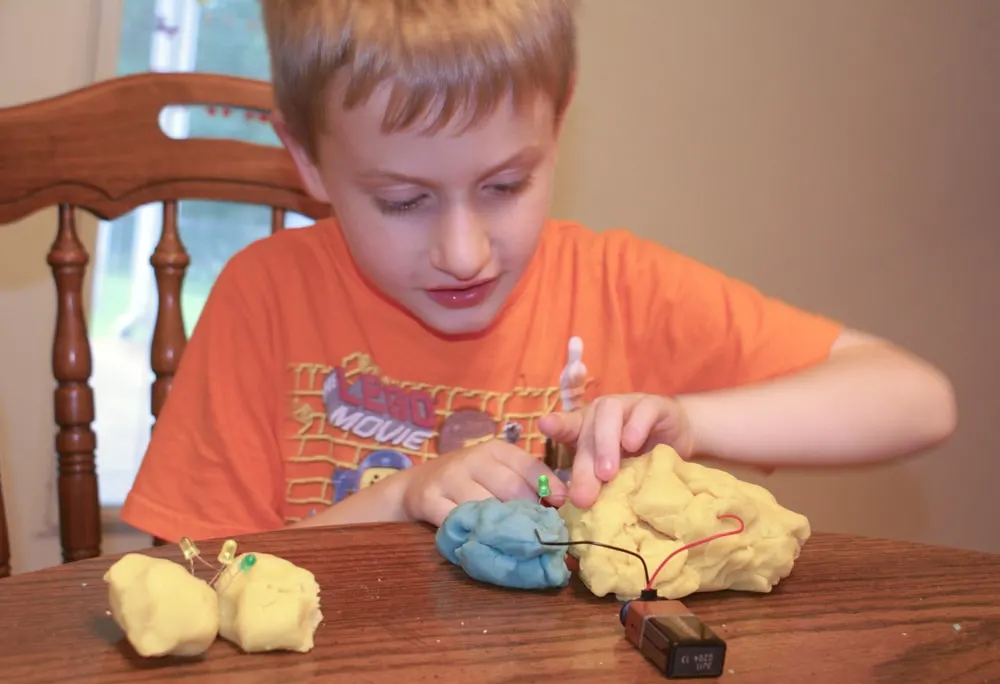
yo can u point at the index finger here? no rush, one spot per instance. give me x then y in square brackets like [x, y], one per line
[564, 426]
[584, 485]
[529, 468]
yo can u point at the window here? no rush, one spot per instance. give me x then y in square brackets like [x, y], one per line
[220, 36]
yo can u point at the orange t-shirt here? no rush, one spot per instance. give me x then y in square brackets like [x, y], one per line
[301, 383]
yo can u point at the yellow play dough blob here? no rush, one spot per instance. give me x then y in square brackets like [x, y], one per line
[657, 503]
[162, 608]
[271, 605]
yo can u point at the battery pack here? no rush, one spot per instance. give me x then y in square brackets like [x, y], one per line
[673, 639]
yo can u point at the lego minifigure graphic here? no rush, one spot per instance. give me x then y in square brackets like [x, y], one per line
[375, 466]
[512, 431]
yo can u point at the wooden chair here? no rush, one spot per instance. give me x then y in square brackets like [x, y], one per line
[4, 544]
[101, 149]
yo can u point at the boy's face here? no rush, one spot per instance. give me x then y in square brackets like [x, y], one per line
[443, 223]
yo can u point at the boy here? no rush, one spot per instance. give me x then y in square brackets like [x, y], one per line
[359, 369]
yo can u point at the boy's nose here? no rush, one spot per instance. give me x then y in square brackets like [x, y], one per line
[463, 246]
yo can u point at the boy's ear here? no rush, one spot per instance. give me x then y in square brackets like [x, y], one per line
[307, 169]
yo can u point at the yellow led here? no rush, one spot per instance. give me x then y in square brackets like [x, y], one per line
[228, 553]
[188, 548]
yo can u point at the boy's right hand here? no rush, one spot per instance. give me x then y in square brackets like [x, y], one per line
[490, 469]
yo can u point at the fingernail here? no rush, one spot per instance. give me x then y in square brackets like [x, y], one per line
[604, 467]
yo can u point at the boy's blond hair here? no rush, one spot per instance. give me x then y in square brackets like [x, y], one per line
[441, 57]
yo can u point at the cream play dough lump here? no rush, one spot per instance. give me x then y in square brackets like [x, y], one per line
[162, 608]
[267, 603]
[657, 503]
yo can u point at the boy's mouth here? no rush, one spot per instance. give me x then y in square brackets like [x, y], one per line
[464, 297]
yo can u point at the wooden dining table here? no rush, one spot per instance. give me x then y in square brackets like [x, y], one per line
[853, 610]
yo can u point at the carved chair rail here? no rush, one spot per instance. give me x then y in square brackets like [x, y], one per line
[101, 149]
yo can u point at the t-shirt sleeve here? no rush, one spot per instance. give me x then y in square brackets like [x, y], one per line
[213, 466]
[691, 328]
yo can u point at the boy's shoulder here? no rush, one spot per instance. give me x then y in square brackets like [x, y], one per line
[569, 233]
[632, 266]
[284, 248]
[574, 244]
[281, 261]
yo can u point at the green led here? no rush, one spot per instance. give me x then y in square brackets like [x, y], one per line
[248, 562]
[543, 486]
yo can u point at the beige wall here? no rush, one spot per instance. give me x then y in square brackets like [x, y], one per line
[840, 155]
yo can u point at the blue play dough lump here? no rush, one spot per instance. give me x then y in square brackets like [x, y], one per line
[495, 542]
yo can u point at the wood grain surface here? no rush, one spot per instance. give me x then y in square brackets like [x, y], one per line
[101, 148]
[854, 610]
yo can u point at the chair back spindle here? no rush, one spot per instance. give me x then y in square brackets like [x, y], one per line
[4, 543]
[76, 443]
[277, 220]
[169, 261]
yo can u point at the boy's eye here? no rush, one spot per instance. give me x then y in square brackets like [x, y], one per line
[387, 207]
[403, 206]
[511, 188]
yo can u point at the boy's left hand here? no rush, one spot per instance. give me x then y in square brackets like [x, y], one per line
[610, 426]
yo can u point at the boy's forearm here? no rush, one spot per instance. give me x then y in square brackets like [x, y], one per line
[868, 402]
[381, 502]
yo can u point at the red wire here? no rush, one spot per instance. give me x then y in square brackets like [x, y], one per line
[693, 544]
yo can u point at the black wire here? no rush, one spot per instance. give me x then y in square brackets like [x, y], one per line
[642, 560]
